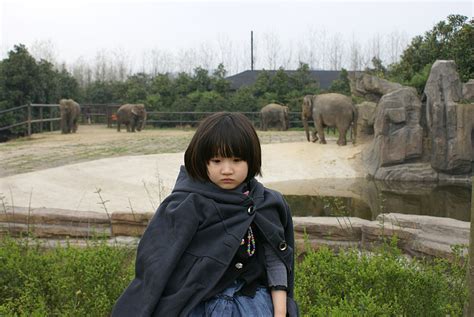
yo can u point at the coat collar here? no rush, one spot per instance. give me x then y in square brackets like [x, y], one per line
[185, 183]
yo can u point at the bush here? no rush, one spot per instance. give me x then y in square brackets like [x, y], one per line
[64, 281]
[384, 283]
[74, 281]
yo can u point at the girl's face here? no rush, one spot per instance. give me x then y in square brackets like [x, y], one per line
[227, 172]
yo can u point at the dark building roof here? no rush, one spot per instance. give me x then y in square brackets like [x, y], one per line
[248, 77]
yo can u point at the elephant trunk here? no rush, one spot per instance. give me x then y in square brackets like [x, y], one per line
[143, 123]
[306, 128]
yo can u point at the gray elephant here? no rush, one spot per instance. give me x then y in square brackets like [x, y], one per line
[133, 116]
[275, 115]
[70, 112]
[329, 110]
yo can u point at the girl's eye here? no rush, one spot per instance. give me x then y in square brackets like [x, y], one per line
[215, 160]
[237, 159]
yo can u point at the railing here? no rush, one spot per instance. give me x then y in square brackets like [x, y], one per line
[104, 113]
[28, 121]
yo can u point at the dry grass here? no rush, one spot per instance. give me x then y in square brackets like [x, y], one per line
[52, 149]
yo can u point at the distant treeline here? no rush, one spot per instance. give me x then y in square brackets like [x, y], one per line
[25, 80]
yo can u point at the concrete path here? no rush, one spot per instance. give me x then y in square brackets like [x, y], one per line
[141, 182]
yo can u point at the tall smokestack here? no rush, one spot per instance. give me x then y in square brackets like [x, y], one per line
[251, 50]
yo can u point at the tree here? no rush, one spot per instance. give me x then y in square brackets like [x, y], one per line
[201, 79]
[19, 77]
[262, 83]
[218, 81]
[341, 85]
[451, 39]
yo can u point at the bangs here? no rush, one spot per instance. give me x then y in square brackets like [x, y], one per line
[227, 143]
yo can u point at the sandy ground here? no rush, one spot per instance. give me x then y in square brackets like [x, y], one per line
[140, 183]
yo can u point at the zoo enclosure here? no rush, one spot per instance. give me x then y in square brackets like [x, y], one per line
[36, 118]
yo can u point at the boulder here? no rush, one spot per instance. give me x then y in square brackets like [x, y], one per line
[397, 131]
[365, 119]
[449, 124]
[468, 90]
[371, 87]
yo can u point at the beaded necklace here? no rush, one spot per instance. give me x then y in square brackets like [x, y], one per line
[250, 237]
[250, 242]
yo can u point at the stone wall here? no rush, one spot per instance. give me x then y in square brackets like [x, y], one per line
[417, 235]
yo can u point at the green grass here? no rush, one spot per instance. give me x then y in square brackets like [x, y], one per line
[86, 281]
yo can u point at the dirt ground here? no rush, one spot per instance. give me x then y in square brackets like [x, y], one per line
[99, 169]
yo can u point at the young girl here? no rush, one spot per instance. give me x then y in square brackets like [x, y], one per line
[221, 244]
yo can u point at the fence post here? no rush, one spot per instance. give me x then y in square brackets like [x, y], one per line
[51, 117]
[470, 266]
[108, 114]
[29, 119]
[41, 118]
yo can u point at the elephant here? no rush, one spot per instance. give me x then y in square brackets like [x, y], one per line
[275, 115]
[329, 110]
[133, 116]
[70, 112]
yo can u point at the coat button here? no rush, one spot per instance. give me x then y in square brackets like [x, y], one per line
[283, 246]
[238, 265]
[251, 210]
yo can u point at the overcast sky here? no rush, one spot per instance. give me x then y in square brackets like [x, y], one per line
[82, 28]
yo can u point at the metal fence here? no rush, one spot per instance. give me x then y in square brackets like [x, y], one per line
[36, 118]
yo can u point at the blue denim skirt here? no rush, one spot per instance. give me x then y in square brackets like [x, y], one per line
[229, 304]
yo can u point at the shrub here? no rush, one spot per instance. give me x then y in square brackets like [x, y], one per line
[64, 281]
[75, 281]
[383, 283]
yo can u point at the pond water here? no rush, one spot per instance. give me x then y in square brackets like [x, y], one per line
[366, 199]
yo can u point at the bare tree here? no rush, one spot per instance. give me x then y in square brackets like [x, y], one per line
[273, 50]
[101, 68]
[311, 48]
[186, 60]
[122, 65]
[355, 53]
[397, 42]
[376, 46]
[226, 52]
[45, 50]
[323, 49]
[206, 56]
[82, 72]
[161, 62]
[336, 52]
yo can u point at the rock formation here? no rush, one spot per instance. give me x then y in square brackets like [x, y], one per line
[371, 87]
[365, 119]
[431, 139]
[449, 123]
[468, 90]
[397, 131]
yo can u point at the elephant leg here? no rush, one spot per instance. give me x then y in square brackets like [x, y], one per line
[342, 136]
[74, 126]
[128, 126]
[71, 124]
[320, 127]
[63, 125]
[118, 125]
[314, 133]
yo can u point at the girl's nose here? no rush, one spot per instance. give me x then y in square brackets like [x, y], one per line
[227, 168]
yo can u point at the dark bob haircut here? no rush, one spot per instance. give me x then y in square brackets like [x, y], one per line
[226, 134]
